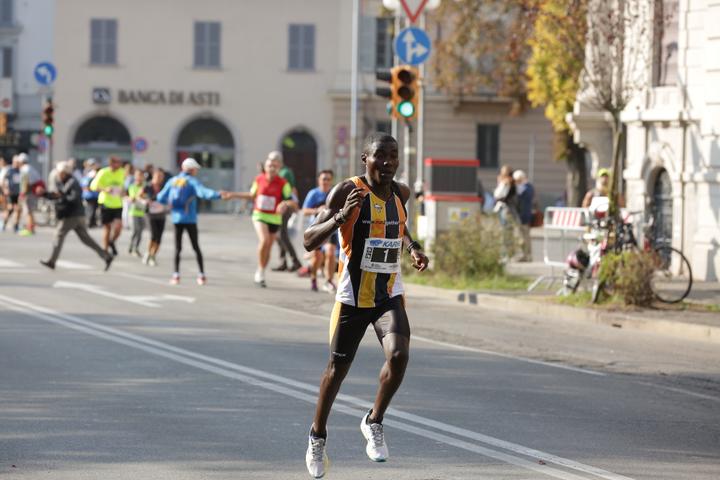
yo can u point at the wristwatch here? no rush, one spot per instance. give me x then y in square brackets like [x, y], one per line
[339, 218]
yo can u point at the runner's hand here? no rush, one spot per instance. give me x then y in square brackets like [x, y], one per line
[353, 200]
[419, 260]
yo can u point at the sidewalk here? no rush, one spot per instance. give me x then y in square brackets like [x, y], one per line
[690, 325]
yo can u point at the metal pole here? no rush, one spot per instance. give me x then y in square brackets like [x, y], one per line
[354, 89]
[407, 151]
[396, 28]
[420, 122]
[531, 159]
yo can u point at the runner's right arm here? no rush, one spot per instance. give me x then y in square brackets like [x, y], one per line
[341, 201]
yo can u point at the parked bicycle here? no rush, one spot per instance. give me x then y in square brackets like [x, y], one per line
[671, 280]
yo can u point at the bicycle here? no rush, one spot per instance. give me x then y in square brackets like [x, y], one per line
[671, 280]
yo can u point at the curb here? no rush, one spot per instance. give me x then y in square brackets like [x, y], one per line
[677, 329]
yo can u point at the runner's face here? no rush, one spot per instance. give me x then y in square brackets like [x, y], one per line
[382, 162]
[325, 182]
[115, 164]
[271, 168]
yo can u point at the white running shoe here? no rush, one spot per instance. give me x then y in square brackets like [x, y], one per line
[316, 458]
[376, 448]
[260, 278]
[146, 259]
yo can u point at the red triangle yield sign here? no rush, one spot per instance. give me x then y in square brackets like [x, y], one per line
[413, 16]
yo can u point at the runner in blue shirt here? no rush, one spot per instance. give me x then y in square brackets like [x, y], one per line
[313, 204]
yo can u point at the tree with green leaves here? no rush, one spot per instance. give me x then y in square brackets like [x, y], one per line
[553, 79]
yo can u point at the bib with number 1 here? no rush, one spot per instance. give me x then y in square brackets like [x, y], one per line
[381, 255]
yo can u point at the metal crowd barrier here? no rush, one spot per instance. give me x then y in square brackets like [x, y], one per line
[570, 223]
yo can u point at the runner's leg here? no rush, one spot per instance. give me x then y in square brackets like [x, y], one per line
[179, 228]
[193, 233]
[61, 232]
[397, 349]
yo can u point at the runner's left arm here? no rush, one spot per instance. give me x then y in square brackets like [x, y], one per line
[419, 259]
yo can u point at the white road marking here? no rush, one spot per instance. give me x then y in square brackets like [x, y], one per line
[73, 265]
[23, 271]
[506, 355]
[680, 390]
[143, 278]
[7, 263]
[150, 301]
[283, 386]
[452, 345]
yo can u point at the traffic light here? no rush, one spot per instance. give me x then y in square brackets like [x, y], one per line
[3, 123]
[47, 118]
[405, 90]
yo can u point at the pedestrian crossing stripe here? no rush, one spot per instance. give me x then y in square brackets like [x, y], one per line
[72, 265]
[5, 263]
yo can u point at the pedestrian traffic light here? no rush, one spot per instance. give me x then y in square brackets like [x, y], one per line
[3, 123]
[405, 91]
[47, 118]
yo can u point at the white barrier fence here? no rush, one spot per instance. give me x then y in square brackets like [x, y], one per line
[566, 225]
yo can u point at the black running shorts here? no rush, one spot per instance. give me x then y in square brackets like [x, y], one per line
[108, 215]
[348, 325]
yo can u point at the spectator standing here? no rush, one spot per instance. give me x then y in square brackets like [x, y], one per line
[526, 196]
[71, 216]
[283, 238]
[90, 197]
[506, 206]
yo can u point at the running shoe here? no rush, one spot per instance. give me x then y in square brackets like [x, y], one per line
[175, 279]
[329, 287]
[303, 272]
[201, 279]
[146, 259]
[108, 261]
[280, 268]
[47, 263]
[313, 285]
[376, 448]
[295, 267]
[137, 253]
[26, 233]
[113, 249]
[152, 262]
[316, 458]
[260, 279]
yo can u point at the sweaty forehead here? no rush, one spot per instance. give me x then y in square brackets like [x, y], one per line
[384, 145]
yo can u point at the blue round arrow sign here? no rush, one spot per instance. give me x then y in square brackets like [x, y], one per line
[412, 46]
[45, 73]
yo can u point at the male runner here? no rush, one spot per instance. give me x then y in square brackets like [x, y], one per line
[109, 182]
[370, 213]
[315, 203]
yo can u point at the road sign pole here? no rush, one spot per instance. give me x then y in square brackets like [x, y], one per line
[352, 162]
[421, 122]
[396, 61]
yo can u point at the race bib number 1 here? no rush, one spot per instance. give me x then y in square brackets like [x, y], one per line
[381, 255]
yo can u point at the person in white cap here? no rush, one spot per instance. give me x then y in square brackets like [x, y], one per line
[181, 193]
[71, 216]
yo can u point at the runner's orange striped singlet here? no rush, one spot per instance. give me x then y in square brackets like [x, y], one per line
[374, 219]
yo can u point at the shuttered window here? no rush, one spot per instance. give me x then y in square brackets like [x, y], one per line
[488, 145]
[301, 47]
[103, 41]
[207, 44]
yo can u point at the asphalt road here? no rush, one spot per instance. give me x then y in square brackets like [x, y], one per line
[122, 376]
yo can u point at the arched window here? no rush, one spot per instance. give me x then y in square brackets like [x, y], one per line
[299, 151]
[100, 137]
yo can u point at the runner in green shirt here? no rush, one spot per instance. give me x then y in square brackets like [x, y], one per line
[283, 239]
[138, 205]
[109, 182]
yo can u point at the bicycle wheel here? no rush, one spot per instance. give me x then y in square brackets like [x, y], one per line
[672, 279]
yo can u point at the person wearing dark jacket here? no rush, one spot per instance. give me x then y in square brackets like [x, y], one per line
[71, 216]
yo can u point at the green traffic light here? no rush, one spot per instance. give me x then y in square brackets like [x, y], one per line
[48, 130]
[406, 109]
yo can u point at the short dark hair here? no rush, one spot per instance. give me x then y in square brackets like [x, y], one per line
[376, 137]
[326, 171]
